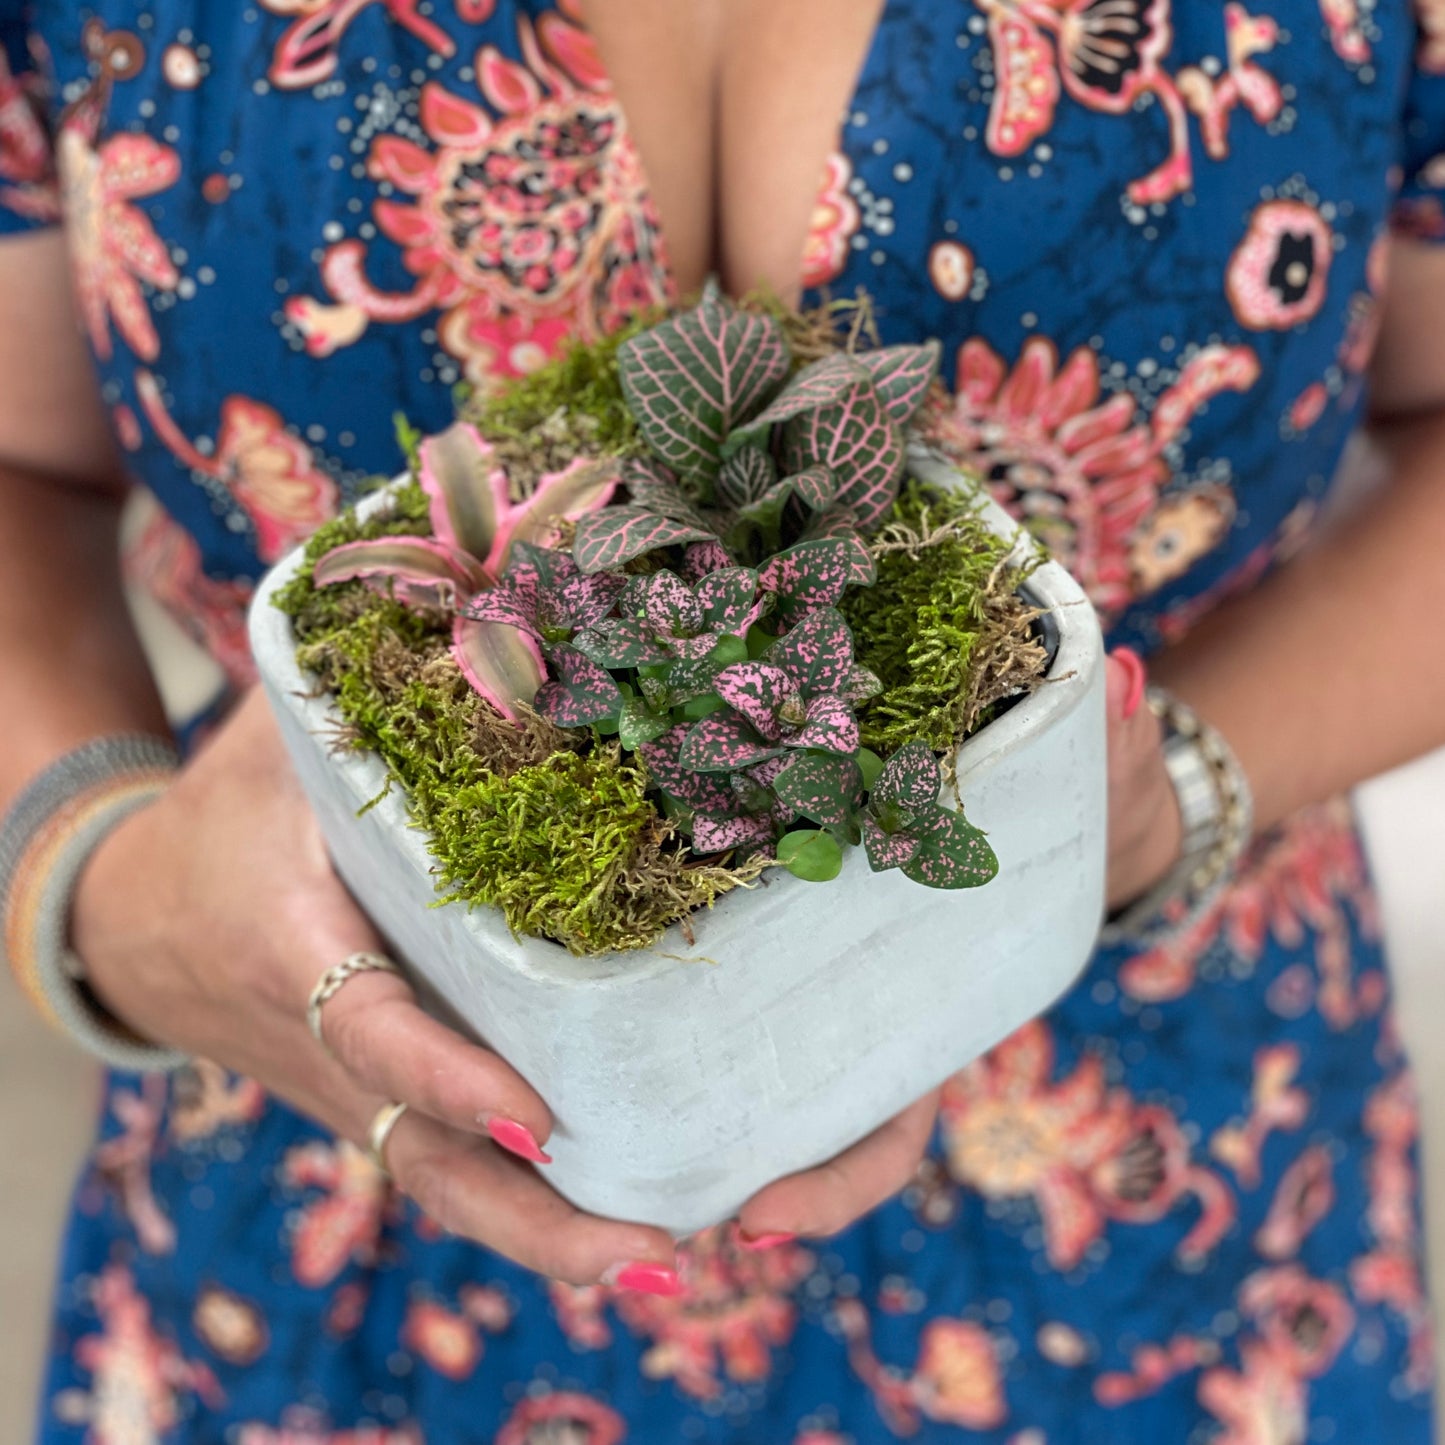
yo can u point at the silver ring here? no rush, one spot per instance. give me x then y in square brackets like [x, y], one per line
[330, 982]
[379, 1132]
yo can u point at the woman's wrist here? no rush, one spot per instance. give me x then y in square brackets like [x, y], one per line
[46, 841]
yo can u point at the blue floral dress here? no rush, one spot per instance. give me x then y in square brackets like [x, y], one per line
[1152, 238]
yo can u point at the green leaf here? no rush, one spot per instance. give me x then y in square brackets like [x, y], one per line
[870, 765]
[729, 649]
[638, 724]
[697, 708]
[811, 855]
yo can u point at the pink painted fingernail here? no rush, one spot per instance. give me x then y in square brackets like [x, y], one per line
[1133, 664]
[645, 1279]
[762, 1241]
[517, 1139]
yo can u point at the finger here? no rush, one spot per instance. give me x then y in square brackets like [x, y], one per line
[471, 1189]
[827, 1199]
[391, 1047]
[1125, 679]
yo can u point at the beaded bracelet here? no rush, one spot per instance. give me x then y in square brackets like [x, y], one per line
[46, 839]
[1216, 807]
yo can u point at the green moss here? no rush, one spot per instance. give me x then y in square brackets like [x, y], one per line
[517, 815]
[943, 628]
[312, 609]
[573, 406]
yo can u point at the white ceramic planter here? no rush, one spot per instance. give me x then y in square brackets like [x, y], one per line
[685, 1077]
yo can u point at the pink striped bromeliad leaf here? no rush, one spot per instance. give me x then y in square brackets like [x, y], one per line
[503, 663]
[471, 508]
[694, 379]
[419, 571]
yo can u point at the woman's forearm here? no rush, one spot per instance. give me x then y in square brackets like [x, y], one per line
[1331, 670]
[71, 666]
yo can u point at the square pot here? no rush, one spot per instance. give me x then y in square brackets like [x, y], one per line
[685, 1077]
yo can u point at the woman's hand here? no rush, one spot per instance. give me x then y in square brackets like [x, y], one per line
[1145, 831]
[204, 922]
[1144, 838]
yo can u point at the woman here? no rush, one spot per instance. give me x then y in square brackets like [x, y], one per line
[1180, 1207]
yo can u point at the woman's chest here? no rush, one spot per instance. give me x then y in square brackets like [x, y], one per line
[1151, 222]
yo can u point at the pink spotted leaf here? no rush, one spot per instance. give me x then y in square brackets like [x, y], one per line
[830, 725]
[701, 558]
[887, 850]
[579, 691]
[818, 652]
[703, 792]
[826, 790]
[718, 834]
[955, 855]
[759, 692]
[808, 576]
[911, 778]
[620, 642]
[724, 743]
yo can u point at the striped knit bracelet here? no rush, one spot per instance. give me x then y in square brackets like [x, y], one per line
[46, 840]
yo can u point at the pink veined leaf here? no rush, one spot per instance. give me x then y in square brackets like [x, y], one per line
[745, 476]
[824, 383]
[690, 381]
[831, 727]
[467, 489]
[817, 486]
[420, 570]
[502, 663]
[618, 534]
[716, 835]
[756, 690]
[911, 778]
[887, 850]
[859, 442]
[723, 743]
[565, 496]
[903, 375]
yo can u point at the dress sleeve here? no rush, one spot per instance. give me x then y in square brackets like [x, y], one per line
[28, 193]
[1420, 206]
